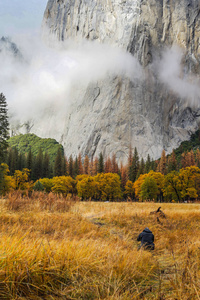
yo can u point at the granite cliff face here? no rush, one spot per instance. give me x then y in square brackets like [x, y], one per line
[115, 112]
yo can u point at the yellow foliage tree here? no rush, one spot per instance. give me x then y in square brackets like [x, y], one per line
[47, 184]
[8, 181]
[138, 183]
[63, 185]
[87, 187]
[159, 179]
[172, 186]
[183, 185]
[108, 186]
[21, 179]
[189, 179]
[129, 189]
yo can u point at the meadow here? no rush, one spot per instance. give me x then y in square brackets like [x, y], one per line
[61, 248]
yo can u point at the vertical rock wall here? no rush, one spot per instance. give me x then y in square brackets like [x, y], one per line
[115, 112]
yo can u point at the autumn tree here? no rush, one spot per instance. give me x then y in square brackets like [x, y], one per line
[3, 174]
[124, 175]
[47, 184]
[189, 180]
[115, 168]
[172, 186]
[63, 185]
[86, 165]
[149, 189]
[87, 187]
[138, 183]
[159, 179]
[80, 165]
[22, 179]
[162, 166]
[95, 166]
[76, 167]
[172, 162]
[108, 165]
[109, 186]
[129, 189]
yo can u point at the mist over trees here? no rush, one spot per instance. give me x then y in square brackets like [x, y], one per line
[4, 127]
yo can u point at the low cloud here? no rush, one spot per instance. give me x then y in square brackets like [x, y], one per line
[173, 74]
[44, 79]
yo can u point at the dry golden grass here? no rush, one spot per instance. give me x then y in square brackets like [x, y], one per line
[55, 248]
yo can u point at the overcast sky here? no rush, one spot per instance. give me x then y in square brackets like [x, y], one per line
[18, 16]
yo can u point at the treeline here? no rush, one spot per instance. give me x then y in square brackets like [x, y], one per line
[41, 166]
[176, 186]
[171, 178]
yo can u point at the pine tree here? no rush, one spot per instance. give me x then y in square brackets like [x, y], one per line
[115, 168]
[91, 168]
[100, 163]
[130, 159]
[95, 166]
[58, 165]
[108, 166]
[147, 164]
[141, 168]
[64, 166]
[76, 167]
[21, 162]
[198, 158]
[46, 166]
[4, 126]
[86, 165]
[14, 161]
[133, 170]
[38, 166]
[124, 175]
[172, 162]
[80, 165]
[71, 166]
[163, 163]
[29, 163]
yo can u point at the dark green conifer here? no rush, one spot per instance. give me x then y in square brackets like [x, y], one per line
[71, 166]
[64, 166]
[38, 166]
[76, 167]
[134, 167]
[58, 165]
[100, 168]
[46, 166]
[148, 164]
[29, 160]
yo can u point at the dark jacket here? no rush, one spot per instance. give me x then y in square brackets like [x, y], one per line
[146, 237]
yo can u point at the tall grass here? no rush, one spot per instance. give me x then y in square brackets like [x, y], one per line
[85, 250]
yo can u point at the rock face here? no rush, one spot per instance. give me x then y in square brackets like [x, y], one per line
[115, 112]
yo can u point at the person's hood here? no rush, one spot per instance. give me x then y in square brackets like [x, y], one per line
[147, 230]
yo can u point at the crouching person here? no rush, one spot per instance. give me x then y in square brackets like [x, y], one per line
[147, 240]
